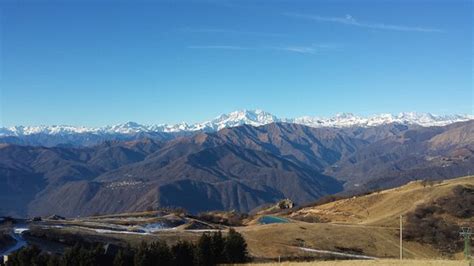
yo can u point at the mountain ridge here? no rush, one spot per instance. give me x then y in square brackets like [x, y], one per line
[245, 117]
[236, 168]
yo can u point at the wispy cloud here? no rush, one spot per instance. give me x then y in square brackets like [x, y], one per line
[308, 49]
[349, 20]
[219, 47]
[298, 49]
[311, 49]
[231, 31]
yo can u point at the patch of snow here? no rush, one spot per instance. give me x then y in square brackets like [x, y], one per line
[20, 230]
[107, 231]
[154, 227]
[141, 231]
[203, 230]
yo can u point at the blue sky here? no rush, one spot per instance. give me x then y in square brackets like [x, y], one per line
[97, 62]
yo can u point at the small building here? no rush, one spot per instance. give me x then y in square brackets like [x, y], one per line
[285, 204]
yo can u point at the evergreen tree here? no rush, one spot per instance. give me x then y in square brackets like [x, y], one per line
[53, 261]
[124, 257]
[71, 256]
[160, 253]
[209, 250]
[204, 256]
[120, 259]
[217, 245]
[142, 256]
[27, 256]
[99, 257]
[40, 259]
[183, 253]
[235, 247]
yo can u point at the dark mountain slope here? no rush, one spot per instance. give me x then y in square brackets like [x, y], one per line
[316, 147]
[424, 153]
[28, 172]
[236, 168]
[222, 177]
[17, 190]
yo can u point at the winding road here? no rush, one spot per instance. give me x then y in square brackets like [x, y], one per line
[337, 253]
[20, 241]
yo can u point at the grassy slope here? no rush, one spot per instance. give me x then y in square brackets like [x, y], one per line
[368, 223]
[373, 263]
[271, 241]
[384, 208]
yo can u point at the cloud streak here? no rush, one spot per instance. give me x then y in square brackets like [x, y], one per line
[349, 20]
[298, 49]
[312, 49]
[219, 47]
[235, 32]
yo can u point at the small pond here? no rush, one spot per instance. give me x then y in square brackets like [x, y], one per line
[271, 220]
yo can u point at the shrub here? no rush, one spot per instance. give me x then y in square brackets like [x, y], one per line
[229, 219]
[431, 230]
[460, 203]
[425, 224]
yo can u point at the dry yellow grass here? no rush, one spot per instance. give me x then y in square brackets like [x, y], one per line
[383, 208]
[367, 225]
[273, 240]
[371, 263]
[364, 225]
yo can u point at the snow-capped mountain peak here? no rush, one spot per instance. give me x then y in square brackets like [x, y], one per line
[250, 117]
[237, 118]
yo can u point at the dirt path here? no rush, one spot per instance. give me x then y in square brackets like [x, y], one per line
[341, 254]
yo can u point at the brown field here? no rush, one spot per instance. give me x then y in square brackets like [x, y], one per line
[383, 208]
[372, 263]
[273, 240]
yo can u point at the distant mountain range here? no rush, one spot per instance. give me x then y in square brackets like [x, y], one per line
[237, 168]
[78, 135]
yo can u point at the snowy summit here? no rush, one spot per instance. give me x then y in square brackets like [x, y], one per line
[248, 117]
